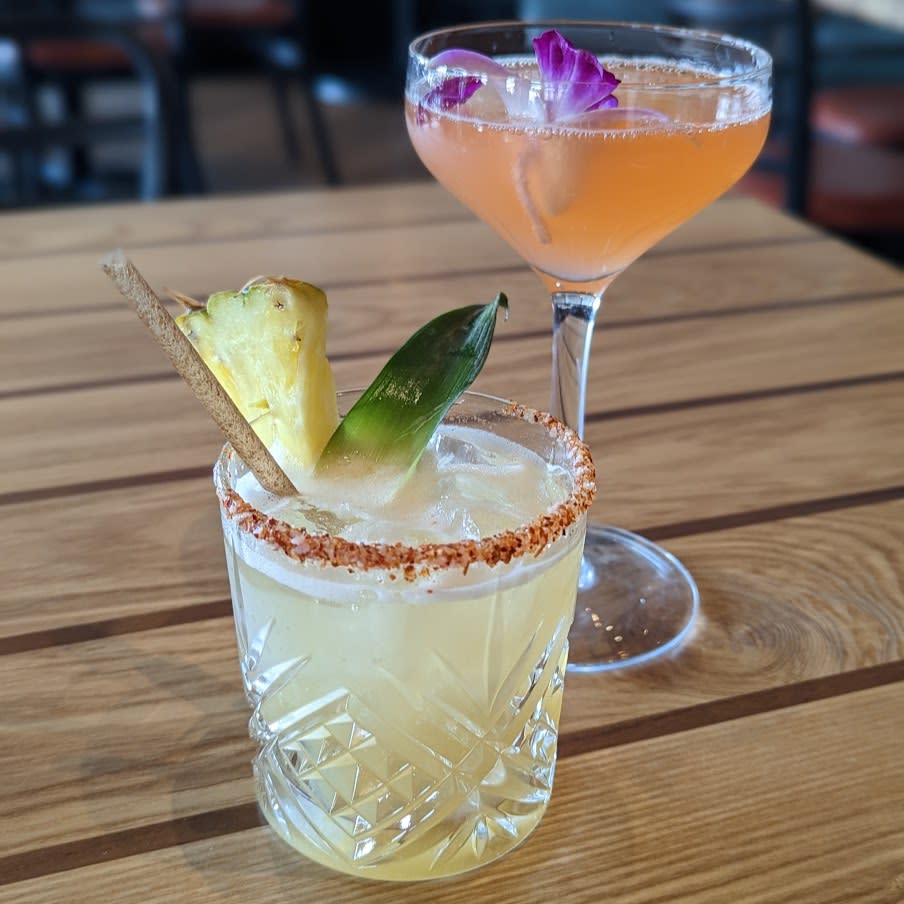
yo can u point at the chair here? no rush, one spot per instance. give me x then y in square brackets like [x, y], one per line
[860, 75]
[272, 33]
[863, 113]
[50, 142]
[80, 50]
[784, 28]
[853, 188]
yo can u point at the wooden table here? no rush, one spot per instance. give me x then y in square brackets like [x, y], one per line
[746, 408]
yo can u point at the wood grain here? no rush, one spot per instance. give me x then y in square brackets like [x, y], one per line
[448, 251]
[758, 780]
[181, 221]
[127, 551]
[168, 719]
[643, 481]
[111, 555]
[95, 347]
[96, 229]
[142, 728]
[782, 602]
[746, 396]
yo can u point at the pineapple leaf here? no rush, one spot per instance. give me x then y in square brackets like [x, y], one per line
[393, 420]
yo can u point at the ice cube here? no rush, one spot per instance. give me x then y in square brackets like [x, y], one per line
[300, 513]
[454, 450]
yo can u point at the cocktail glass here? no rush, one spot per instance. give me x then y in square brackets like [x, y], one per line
[406, 698]
[580, 194]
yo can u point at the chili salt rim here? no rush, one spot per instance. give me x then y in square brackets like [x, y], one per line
[414, 562]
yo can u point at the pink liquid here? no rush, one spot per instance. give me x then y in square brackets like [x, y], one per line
[580, 202]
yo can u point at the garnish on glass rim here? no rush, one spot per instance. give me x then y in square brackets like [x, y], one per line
[393, 420]
[450, 94]
[256, 359]
[573, 81]
[581, 81]
[194, 370]
[266, 344]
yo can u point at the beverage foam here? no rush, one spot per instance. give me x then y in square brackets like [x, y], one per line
[645, 83]
[467, 485]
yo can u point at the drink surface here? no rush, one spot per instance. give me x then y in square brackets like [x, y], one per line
[408, 729]
[468, 484]
[581, 199]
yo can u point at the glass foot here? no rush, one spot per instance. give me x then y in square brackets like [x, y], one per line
[635, 601]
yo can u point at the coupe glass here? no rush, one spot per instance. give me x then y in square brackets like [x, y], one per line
[580, 194]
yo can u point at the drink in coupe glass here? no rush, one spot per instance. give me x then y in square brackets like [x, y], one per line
[404, 652]
[582, 145]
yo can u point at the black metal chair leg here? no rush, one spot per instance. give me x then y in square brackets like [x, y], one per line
[321, 135]
[187, 164]
[279, 84]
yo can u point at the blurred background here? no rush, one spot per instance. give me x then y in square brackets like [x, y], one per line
[142, 99]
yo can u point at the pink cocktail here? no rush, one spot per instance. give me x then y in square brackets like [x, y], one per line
[582, 145]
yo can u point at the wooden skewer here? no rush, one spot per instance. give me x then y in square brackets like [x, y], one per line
[197, 374]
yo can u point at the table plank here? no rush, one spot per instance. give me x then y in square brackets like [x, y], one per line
[156, 549]
[760, 322]
[112, 555]
[702, 816]
[140, 728]
[670, 365]
[93, 229]
[167, 717]
[377, 261]
[788, 601]
[178, 221]
[844, 436]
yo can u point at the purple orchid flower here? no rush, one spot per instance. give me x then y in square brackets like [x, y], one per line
[573, 81]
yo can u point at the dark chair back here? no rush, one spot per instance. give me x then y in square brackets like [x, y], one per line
[276, 38]
[784, 29]
[43, 70]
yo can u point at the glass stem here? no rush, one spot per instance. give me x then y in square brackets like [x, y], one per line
[573, 317]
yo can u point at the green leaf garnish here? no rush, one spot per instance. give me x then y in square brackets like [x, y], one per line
[393, 420]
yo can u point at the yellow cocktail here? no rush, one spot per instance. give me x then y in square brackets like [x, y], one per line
[403, 649]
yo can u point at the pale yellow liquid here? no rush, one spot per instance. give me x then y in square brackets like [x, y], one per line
[408, 730]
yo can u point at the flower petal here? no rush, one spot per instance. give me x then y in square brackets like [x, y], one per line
[574, 81]
[450, 93]
[469, 61]
[514, 91]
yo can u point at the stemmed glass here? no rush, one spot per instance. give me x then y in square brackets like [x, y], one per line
[581, 173]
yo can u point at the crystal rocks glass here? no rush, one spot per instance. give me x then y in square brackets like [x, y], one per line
[406, 699]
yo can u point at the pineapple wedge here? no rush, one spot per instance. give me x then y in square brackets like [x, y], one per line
[267, 345]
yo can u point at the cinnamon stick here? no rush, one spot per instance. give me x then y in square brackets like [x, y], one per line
[196, 373]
